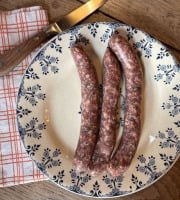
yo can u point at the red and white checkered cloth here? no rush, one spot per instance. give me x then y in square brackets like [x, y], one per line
[16, 167]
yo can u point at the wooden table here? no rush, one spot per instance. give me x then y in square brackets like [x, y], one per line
[161, 19]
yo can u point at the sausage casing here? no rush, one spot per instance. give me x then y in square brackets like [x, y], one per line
[108, 122]
[90, 109]
[133, 74]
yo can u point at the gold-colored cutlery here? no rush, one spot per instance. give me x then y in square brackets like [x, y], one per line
[13, 57]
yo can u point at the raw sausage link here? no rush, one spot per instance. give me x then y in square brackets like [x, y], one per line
[132, 69]
[108, 122]
[90, 109]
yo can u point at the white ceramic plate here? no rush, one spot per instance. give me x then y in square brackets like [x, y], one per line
[48, 111]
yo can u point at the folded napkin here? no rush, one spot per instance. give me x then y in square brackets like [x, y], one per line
[16, 167]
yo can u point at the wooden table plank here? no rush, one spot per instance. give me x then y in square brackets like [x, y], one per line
[159, 18]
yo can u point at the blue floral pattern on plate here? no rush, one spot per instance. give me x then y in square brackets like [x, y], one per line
[49, 109]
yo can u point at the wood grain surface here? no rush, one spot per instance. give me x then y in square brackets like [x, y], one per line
[161, 19]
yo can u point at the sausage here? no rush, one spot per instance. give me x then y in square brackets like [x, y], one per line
[133, 74]
[90, 109]
[108, 121]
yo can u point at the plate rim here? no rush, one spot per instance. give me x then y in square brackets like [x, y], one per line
[119, 24]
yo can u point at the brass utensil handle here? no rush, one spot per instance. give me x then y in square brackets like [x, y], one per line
[13, 57]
